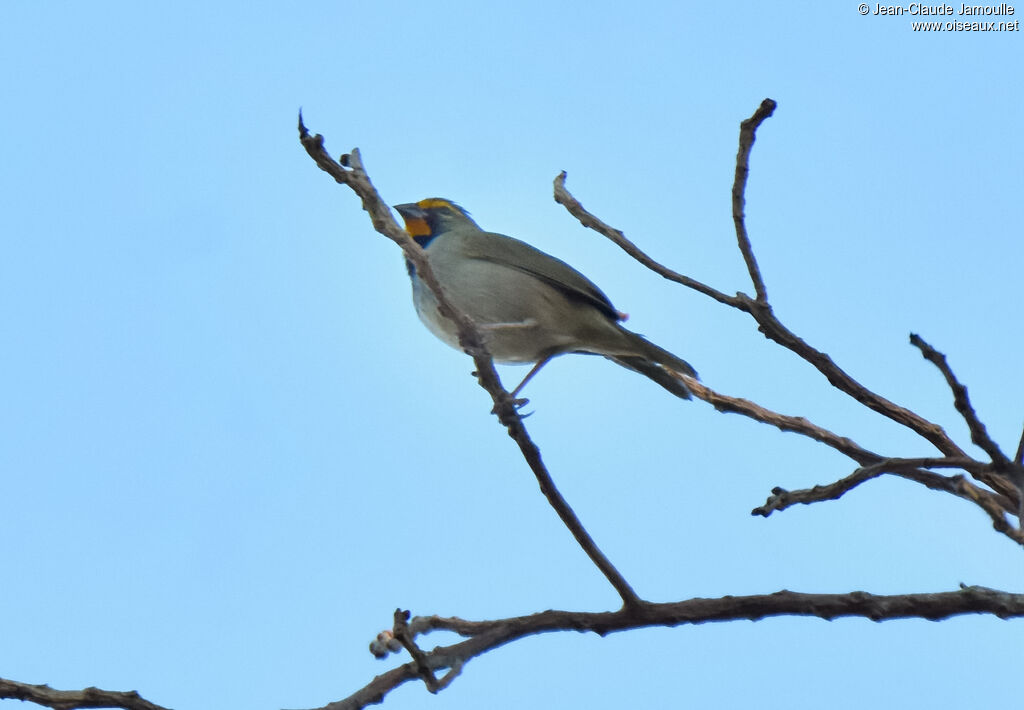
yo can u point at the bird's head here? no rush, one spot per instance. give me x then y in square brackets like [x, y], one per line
[428, 218]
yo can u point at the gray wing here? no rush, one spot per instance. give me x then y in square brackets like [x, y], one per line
[514, 254]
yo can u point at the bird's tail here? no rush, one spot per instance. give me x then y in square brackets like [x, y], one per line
[658, 364]
[656, 372]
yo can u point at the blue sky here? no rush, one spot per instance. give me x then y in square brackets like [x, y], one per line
[229, 449]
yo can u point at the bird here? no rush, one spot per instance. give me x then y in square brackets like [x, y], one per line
[528, 305]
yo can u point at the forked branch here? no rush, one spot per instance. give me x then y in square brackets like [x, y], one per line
[636, 612]
[483, 636]
[1001, 475]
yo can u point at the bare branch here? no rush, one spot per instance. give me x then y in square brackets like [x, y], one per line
[637, 613]
[1017, 474]
[70, 699]
[995, 505]
[799, 425]
[1008, 476]
[588, 220]
[547, 486]
[748, 132]
[350, 172]
[979, 435]
[780, 499]
[872, 465]
[759, 308]
[484, 636]
[355, 177]
[912, 469]
[773, 329]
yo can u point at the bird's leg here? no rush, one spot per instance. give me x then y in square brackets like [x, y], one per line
[525, 323]
[518, 403]
[533, 371]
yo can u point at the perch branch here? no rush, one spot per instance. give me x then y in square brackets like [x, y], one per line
[350, 172]
[483, 636]
[46, 696]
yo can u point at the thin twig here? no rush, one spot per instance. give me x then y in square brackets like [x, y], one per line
[590, 221]
[401, 632]
[996, 506]
[1018, 479]
[748, 133]
[774, 330]
[1007, 477]
[979, 435]
[784, 422]
[780, 499]
[912, 469]
[350, 172]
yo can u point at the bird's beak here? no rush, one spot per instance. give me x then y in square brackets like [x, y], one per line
[415, 219]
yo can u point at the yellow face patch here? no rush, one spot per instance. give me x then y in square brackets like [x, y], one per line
[417, 226]
[433, 203]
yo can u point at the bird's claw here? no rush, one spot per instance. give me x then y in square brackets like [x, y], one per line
[517, 404]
